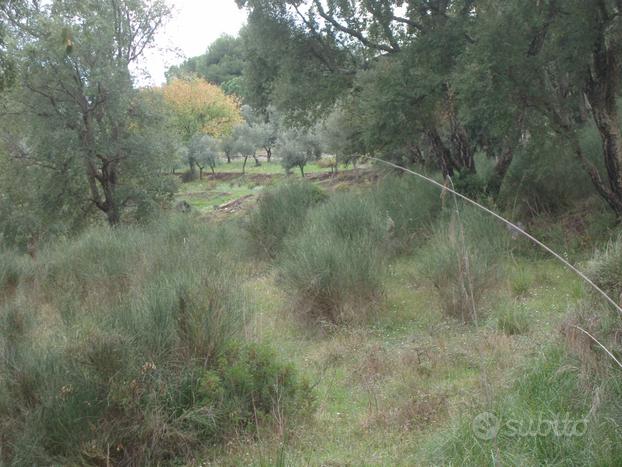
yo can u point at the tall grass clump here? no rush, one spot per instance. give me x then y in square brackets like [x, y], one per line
[412, 207]
[129, 347]
[605, 268]
[281, 211]
[332, 270]
[548, 417]
[462, 260]
[594, 315]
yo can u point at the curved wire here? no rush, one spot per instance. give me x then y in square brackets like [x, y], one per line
[509, 223]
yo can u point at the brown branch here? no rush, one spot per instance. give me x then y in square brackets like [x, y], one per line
[352, 32]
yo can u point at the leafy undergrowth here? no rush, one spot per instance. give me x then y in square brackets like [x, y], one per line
[386, 390]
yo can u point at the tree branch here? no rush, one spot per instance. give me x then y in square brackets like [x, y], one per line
[352, 32]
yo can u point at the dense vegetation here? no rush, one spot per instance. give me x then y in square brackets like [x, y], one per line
[224, 269]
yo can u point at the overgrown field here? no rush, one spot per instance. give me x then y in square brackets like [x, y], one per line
[374, 325]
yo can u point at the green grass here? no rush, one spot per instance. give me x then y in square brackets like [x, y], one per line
[273, 167]
[388, 390]
[205, 195]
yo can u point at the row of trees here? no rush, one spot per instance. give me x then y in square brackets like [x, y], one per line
[437, 81]
[80, 140]
[255, 132]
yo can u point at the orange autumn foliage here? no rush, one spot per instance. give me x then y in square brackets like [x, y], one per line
[201, 107]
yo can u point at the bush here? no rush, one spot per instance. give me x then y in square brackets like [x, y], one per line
[125, 349]
[333, 269]
[412, 205]
[281, 212]
[463, 269]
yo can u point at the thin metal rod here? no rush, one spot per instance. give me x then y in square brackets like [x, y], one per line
[599, 344]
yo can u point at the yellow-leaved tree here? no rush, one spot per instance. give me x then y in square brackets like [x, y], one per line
[200, 108]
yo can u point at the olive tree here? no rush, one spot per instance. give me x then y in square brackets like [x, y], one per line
[72, 63]
[296, 147]
[203, 150]
[247, 142]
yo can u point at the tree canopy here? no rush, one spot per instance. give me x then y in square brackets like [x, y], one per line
[436, 81]
[222, 64]
[76, 103]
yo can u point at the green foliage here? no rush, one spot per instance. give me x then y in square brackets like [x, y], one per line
[297, 147]
[281, 212]
[511, 319]
[545, 178]
[125, 347]
[411, 205]
[462, 261]
[521, 281]
[222, 64]
[332, 270]
[340, 137]
[284, 67]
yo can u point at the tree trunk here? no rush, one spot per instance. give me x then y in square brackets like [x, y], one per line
[200, 173]
[108, 181]
[602, 90]
[462, 148]
[302, 170]
[500, 170]
[257, 163]
[268, 154]
[113, 216]
[228, 156]
[244, 165]
[441, 153]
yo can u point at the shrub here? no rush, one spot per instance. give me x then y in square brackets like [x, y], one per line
[511, 319]
[10, 270]
[462, 260]
[125, 349]
[281, 211]
[333, 268]
[412, 205]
